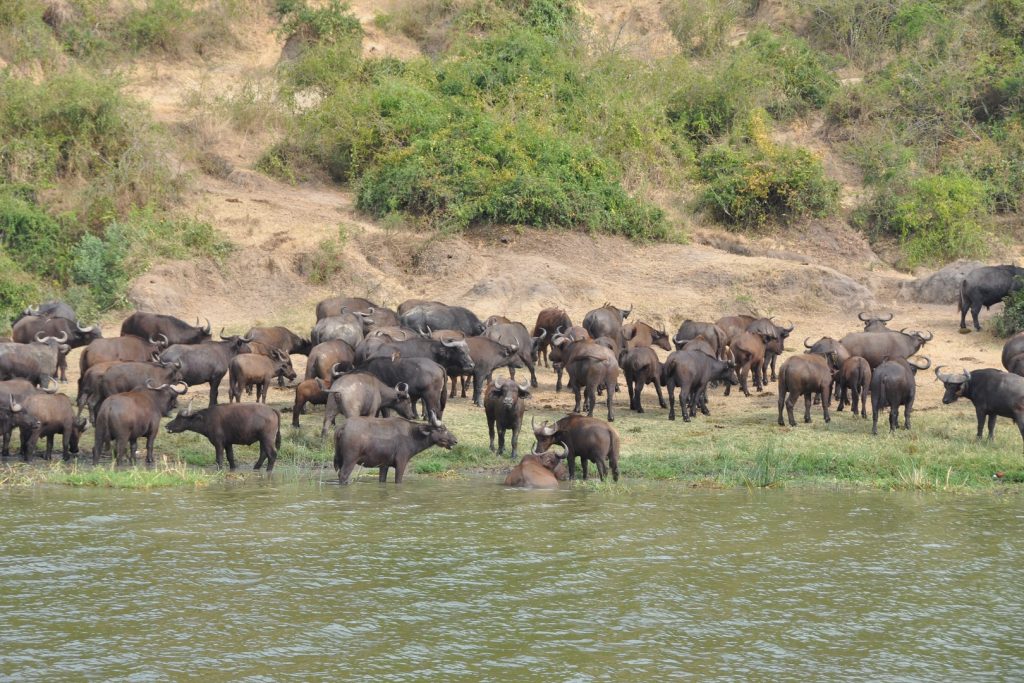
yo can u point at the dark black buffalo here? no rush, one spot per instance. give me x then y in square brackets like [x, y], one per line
[586, 438]
[28, 328]
[504, 406]
[874, 347]
[344, 304]
[1013, 354]
[893, 384]
[550, 321]
[994, 393]
[279, 338]
[432, 315]
[453, 354]
[425, 380]
[385, 442]
[125, 418]
[607, 322]
[559, 345]
[874, 323]
[774, 337]
[692, 371]
[854, 376]
[12, 393]
[206, 362]
[516, 334]
[641, 367]
[806, 375]
[986, 286]
[49, 309]
[238, 423]
[177, 331]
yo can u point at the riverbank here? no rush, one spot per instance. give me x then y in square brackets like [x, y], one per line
[740, 445]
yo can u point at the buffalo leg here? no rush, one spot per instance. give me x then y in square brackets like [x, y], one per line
[571, 462]
[382, 474]
[631, 390]
[49, 446]
[864, 401]
[657, 389]
[981, 421]
[558, 380]
[490, 431]
[501, 440]
[975, 310]
[826, 401]
[150, 440]
[907, 409]
[515, 438]
[464, 379]
[611, 395]
[478, 383]
[894, 417]
[590, 398]
[399, 466]
[635, 398]
[790, 405]
[807, 406]
[218, 450]
[585, 462]
[533, 373]
[602, 467]
[346, 471]
[330, 413]
[874, 414]
[670, 386]
[782, 404]
[120, 450]
[214, 388]
[992, 427]
[685, 400]
[271, 448]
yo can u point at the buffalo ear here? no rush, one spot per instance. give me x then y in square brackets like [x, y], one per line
[524, 393]
[426, 429]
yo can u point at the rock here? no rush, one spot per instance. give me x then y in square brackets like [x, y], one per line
[941, 287]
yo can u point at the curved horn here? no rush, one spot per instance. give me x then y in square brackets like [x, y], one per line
[928, 338]
[149, 385]
[548, 431]
[451, 341]
[629, 311]
[41, 336]
[533, 424]
[228, 338]
[15, 407]
[524, 387]
[944, 378]
[85, 330]
[188, 408]
[788, 329]
[63, 338]
[679, 341]
[32, 310]
[422, 333]
[247, 339]
[543, 333]
[336, 370]
[564, 453]
[206, 330]
[916, 363]
[174, 388]
[885, 320]
[862, 318]
[402, 388]
[51, 385]
[806, 345]
[560, 329]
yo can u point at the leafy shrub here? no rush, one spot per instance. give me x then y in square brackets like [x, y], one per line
[17, 288]
[1008, 16]
[34, 239]
[935, 217]
[702, 109]
[332, 23]
[159, 25]
[756, 181]
[702, 26]
[99, 265]
[326, 261]
[1011, 320]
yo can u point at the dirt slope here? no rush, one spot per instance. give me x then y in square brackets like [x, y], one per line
[817, 275]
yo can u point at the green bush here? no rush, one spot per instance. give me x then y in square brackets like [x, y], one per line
[935, 217]
[17, 288]
[755, 181]
[1008, 16]
[702, 109]
[332, 23]
[99, 266]
[159, 25]
[1011, 320]
[33, 238]
[702, 26]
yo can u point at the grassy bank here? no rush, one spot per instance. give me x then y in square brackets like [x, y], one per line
[740, 446]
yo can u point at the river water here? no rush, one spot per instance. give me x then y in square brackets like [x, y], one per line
[466, 581]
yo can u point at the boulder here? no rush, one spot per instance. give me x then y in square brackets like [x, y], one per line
[941, 287]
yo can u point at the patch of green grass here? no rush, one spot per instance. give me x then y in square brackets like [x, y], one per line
[163, 475]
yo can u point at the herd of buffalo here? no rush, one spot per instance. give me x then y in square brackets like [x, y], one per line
[382, 368]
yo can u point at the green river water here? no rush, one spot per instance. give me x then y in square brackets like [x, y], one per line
[466, 581]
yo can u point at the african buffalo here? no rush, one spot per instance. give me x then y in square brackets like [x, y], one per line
[748, 349]
[504, 406]
[49, 309]
[589, 439]
[994, 393]
[692, 371]
[248, 370]
[425, 379]
[54, 415]
[516, 334]
[439, 316]
[854, 376]
[550, 321]
[27, 329]
[806, 375]
[1013, 354]
[326, 356]
[453, 354]
[874, 347]
[36, 362]
[279, 338]
[874, 323]
[893, 384]
[487, 356]
[347, 327]
[641, 367]
[206, 362]
[227, 425]
[592, 365]
[607, 321]
[537, 470]
[308, 391]
[496, 320]
[340, 304]
[124, 377]
[12, 415]
[775, 342]
[385, 442]
[986, 286]
[642, 334]
[127, 348]
[125, 418]
[362, 394]
[714, 334]
[177, 331]
[558, 346]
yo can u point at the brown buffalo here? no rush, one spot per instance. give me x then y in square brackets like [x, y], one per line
[324, 357]
[504, 407]
[854, 375]
[550, 321]
[537, 470]
[125, 418]
[248, 370]
[592, 365]
[585, 438]
[385, 442]
[806, 375]
[227, 425]
[308, 391]
[642, 334]
[748, 349]
[641, 367]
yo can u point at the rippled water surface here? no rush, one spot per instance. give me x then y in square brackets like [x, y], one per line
[463, 580]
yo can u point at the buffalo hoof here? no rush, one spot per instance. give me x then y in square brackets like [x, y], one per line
[792, 423]
[782, 423]
[640, 409]
[672, 416]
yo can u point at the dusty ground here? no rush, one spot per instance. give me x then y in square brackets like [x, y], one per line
[817, 275]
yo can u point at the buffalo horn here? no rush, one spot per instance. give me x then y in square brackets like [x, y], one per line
[929, 337]
[206, 330]
[533, 425]
[629, 311]
[247, 339]
[336, 370]
[15, 407]
[862, 318]
[788, 328]
[402, 388]
[806, 345]
[432, 419]
[51, 385]
[41, 336]
[927, 362]
[175, 390]
[679, 340]
[149, 385]
[543, 333]
[85, 330]
[885, 320]
[228, 338]
[188, 408]
[565, 450]
[560, 329]
[951, 379]
[451, 341]
[63, 338]
[524, 387]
